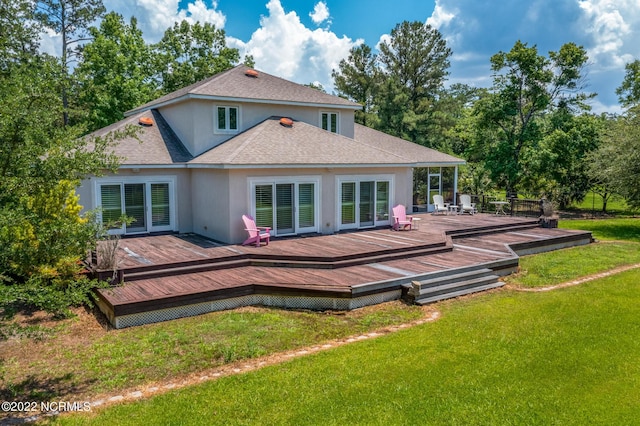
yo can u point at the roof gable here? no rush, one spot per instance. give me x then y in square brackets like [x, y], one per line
[235, 84]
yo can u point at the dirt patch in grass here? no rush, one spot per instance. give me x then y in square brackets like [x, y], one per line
[578, 281]
[71, 359]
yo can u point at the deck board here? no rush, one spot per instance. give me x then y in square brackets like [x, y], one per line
[173, 250]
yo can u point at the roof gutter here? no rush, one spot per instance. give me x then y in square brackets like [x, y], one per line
[189, 96]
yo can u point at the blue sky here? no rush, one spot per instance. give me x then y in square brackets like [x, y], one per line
[303, 40]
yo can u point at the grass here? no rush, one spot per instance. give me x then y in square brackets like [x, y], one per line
[563, 357]
[622, 248]
[81, 362]
[592, 203]
[504, 357]
[555, 267]
[607, 229]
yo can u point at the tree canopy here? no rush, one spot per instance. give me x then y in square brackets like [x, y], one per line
[526, 87]
[116, 71]
[189, 53]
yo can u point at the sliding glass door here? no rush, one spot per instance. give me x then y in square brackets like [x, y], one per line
[146, 205]
[363, 203]
[288, 208]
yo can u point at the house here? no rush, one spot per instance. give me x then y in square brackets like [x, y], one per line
[212, 151]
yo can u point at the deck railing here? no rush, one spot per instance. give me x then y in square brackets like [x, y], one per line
[515, 206]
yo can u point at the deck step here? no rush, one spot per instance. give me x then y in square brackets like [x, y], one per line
[169, 270]
[453, 284]
[352, 262]
[457, 277]
[496, 229]
[454, 294]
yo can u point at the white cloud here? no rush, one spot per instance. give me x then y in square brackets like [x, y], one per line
[283, 46]
[441, 17]
[320, 13]
[155, 16]
[610, 25]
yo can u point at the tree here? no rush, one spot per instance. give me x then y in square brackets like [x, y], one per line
[600, 161]
[526, 86]
[559, 168]
[42, 235]
[316, 86]
[357, 78]
[70, 19]
[116, 71]
[18, 31]
[616, 164]
[418, 56]
[414, 62]
[629, 91]
[189, 53]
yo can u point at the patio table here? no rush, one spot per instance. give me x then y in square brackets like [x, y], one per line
[499, 206]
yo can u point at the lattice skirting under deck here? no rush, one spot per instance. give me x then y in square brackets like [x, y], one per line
[291, 302]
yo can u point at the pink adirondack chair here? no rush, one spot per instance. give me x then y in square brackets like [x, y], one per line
[400, 218]
[256, 233]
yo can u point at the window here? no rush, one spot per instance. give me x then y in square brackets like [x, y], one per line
[226, 120]
[329, 121]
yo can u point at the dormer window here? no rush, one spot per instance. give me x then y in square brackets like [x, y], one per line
[329, 121]
[227, 119]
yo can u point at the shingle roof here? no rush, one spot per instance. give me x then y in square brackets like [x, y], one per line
[417, 153]
[271, 144]
[156, 144]
[235, 84]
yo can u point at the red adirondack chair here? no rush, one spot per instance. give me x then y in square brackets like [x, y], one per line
[256, 233]
[400, 218]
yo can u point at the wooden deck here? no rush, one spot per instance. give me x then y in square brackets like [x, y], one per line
[170, 276]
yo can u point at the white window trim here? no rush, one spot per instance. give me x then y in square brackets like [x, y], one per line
[357, 179]
[297, 180]
[227, 131]
[337, 114]
[147, 180]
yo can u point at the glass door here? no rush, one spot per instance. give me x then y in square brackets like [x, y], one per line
[348, 205]
[434, 187]
[264, 205]
[135, 207]
[284, 209]
[160, 207]
[382, 201]
[306, 208]
[147, 205]
[364, 203]
[366, 206]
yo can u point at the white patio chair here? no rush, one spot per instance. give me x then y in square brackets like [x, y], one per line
[439, 205]
[467, 205]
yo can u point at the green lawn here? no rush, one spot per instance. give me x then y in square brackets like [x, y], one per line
[607, 229]
[593, 203]
[505, 357]
[556, 267]
[563, 357]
